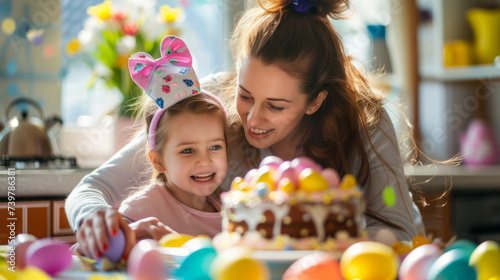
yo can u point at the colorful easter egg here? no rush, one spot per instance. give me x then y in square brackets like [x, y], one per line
[17, 257]
[316, 266]
[286, 185]
[331, 176]
[486, 260]
[285, 170]
[197, 264]
[348, 182]
[272, 161]
[453, 264]
[302, 163]
[237, 263]
[311, 180]
[49, 255]
[264, 174]
[248, 177]
[116, 247]
[145, 262]
[420, 240]
[240, 185]
[262, 189]
[368, 260]
[417, 263]
[465, 245]
[174, 240]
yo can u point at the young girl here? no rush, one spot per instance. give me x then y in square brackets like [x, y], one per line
[186, 147]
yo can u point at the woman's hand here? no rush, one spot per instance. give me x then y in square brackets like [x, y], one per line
[150, 228]
[92, 236]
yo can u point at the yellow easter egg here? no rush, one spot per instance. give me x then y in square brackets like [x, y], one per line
[264, 174]
[419, 240]
[486, 259]
[311, 181]
[31, 273]
[174, 240]
[369, 260]
[237, 263]
[239, 184]
[348, 182]
[286, 185]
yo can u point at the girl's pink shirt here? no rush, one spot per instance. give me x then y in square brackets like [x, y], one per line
[156, 201]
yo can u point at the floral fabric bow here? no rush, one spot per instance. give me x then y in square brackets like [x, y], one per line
[170, 78]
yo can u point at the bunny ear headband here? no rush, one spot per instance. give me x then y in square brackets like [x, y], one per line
[168, 79]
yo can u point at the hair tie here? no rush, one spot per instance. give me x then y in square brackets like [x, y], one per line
[302, 6]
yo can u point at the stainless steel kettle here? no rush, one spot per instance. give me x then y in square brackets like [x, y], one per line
[27, 136]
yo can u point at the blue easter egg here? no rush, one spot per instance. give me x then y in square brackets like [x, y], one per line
[465, 245]
[197, 265]
[262, 189]
[453, 264]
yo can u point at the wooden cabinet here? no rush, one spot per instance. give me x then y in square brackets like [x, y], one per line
[40, 218]
[30, 217]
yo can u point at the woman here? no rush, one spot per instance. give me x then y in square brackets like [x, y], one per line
[295, 93]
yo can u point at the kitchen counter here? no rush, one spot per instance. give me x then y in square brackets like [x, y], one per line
[42, 182]
[60, 182]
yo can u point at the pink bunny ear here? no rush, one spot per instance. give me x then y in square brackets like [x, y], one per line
[168, 79]
[175, 52]
[140, 66]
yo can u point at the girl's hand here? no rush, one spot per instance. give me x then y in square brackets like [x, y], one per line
[150, 228]
[92, 236]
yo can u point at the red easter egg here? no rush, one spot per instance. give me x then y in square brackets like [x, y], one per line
[316, 266]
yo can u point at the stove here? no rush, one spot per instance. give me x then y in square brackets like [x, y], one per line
[37, 162]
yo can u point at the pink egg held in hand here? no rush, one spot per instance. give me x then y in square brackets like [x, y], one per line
[116, 247]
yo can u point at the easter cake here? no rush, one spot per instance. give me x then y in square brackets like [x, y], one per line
[292, 205]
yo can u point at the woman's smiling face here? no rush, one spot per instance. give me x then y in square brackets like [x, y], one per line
[269, 103]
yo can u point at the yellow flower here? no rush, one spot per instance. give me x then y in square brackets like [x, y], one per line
[168, 14]
[72, 47]
[101, 11]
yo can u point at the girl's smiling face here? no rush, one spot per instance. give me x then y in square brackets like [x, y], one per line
[194, 156]
[269, 104]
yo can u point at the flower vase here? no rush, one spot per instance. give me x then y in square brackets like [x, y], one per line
[485, 25]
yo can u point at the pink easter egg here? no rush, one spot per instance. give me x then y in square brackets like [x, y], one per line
[17, 256]
[302, 163]
[50, 255]
[248, 177]
[272, 161]
[285, 170]
[316, 266]
[145, 261]
[417, 263]
[332, 177]
[116, 247]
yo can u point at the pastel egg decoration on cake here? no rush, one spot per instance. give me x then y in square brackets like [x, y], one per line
[272, 161]
[486, 260]
[264, 174]
[286, 171]
[311, 180]
[50, 255]
[367, 260]
[453, 264]
[316, 266]
[417, 263]
[302, 163]
[116, 247]
[145, 262]
[331, 176]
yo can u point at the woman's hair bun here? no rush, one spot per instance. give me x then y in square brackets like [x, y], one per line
[334, 8]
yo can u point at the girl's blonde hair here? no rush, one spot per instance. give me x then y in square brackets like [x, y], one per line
[195, 105]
